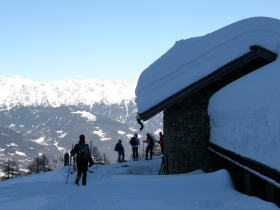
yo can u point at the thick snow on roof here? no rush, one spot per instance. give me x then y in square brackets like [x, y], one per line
[244, 115]
[190, 60]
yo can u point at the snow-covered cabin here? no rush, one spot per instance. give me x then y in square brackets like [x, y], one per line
[182, 81]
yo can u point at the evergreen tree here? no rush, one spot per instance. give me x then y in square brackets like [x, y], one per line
[105, 159]
[10, 170]
[45, 163]
[33, 167]
[39, 164]
[96, 155]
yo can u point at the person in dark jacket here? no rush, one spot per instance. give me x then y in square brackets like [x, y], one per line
[150, 145]
[135, 142]
[120, 150]
[83, 158]
[161, 142]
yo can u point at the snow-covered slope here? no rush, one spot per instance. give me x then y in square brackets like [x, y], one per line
[134, 187]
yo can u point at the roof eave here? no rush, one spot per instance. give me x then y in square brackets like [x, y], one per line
[255, 52]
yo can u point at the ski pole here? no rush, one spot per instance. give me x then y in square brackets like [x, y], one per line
[68, 171]
[143, 151]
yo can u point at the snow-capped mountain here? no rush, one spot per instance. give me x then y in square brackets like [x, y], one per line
[19, 91]
[113, 100]
[53, 115]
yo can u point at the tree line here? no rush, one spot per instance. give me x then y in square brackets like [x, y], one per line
[99, 158]
[39, 164]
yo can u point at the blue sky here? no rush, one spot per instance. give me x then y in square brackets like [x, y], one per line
[54, 40]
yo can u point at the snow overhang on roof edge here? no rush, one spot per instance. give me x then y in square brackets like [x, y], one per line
[255, 52]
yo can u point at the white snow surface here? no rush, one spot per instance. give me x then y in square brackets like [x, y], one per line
[134, 187]
[41, 140]
[244, 115]
[101, 134]
[192, 59]
[87, 115]
[20, 153]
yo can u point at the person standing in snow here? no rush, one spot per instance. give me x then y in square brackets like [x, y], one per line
[134, 142]
[150, 145]
[119, 148]
[83, 158]
[161, 142]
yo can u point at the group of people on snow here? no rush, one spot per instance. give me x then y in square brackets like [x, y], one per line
[84, 160]
[135, 143]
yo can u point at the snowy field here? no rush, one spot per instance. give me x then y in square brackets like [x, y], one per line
[136, 186]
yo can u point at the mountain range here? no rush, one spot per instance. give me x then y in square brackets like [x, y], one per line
[48, 118]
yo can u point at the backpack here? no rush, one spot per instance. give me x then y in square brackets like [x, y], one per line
[117, 147]
[83, 152]
[133, 141]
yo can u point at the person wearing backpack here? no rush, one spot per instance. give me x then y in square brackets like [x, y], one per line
[119, 148]
[134, 142]
[83, 158]
[150, 145]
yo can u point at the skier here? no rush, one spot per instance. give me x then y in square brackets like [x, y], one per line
[150, 145]
[119, 148]
[134, 142]
[161, 142]
[82, 159]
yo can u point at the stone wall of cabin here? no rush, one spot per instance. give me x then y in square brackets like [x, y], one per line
[186, 133]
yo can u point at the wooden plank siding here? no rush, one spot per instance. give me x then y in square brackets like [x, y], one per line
[249, 176]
